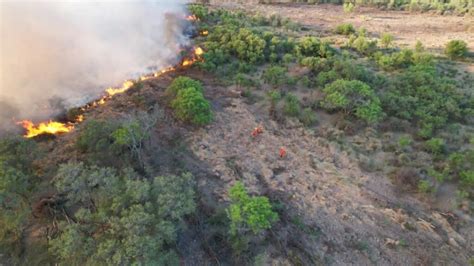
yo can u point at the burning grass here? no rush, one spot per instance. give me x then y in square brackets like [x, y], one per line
[55, 127]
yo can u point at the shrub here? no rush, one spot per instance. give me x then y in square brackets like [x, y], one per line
[247, 46]
[288, 58]
[248, 213]
[456, 49]
[242, 80]
[308, 46]
[364, 46]
[274, 96]
[308, 117]
[348, 7]
[419, 48]
[402, 59]
[386, 40]
[434, 145]
[292, 105]
[275, 76]
[355, 97]
[436, 175]
[460, 165]
[404, 141]
[135, 130]
[467, 178]
[422, 95]
[182, 82]
[191, 106]
[95, 136]
[314, 63]
[345, 29]
[424, 186]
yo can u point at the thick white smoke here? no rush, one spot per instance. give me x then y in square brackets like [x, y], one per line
[74, 49]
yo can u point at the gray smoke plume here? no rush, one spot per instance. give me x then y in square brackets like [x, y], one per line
[75, 49]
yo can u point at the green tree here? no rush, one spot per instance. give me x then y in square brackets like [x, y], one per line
[355, 97]
[135, 130]
[17, 180]
[190, 105]
[249, 213]
[120, 218]
[181, 83]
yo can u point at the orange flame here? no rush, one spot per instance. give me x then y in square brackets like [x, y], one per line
[50, 127]
[198, 51]
[125, 86]
[53, 127]
[191, 18]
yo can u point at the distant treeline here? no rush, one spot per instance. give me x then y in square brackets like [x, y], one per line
[459, 6]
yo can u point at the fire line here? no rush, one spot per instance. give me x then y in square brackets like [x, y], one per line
[54, 127]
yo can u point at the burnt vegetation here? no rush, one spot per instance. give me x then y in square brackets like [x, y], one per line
[130, 193]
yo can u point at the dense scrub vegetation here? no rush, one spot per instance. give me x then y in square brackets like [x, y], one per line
[393, 83]
[122, 219]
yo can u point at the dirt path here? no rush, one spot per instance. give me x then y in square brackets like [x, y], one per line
[433, 30]
[359, 216]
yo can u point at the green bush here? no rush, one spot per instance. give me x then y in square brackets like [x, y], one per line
[95, 136]
[348, 7]
[404, 141]
[182, 82]
[308, 46]
[292, 105]
[421, 95]
[386, 40]
[119, 219]
[419, 48]
[345, 29]
[424, 186]
[308, 117]
[460, 165]
[247, 46]
[402, 59]
[456, 49]
[435, 145]
[248, 213]
[362, 45]
[355, 97]
[275, 76]
[191, 106]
